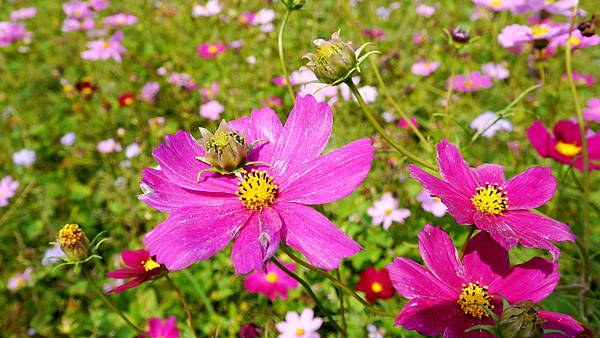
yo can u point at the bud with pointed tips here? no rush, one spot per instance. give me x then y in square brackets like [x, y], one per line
[332, 60]
[226, 150]
[293, 4]
[521, 321]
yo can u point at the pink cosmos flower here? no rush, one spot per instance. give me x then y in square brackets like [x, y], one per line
[149, 92]
[140, 268]
[11, 32]
[8, 189]
[210, 50]
[105, 49]
[403, 123]
[420, 39]
[585, 80]
[385, 211]
[71, 25]
[304, 325]
[425, 10]
[498, 5]
[163, 329]
[267, 205]
[25, 13]
[211, 92]
[515, 36]
[272, 101]
[481, 197]
[592, 111]
[432, 204]
[471, 82]
[373, 33]
[108, 146]
[565, 144]
[272, 282]
[211, 110]
[182, 80]
[424, 68]
[578, 41]
[557, 7]
[447, 296]
[495, 71]
[79, 10]
[212, 7]
[17, 281]
[98, 5]
[120, 20]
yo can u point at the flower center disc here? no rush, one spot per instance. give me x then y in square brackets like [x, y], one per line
[150, 264]
[271, 277]
[490, 199]
[257, 191]
[567, 149]
[70, 235]
[474, 299]
[376, 287]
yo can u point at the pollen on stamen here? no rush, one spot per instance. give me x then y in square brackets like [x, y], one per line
[490, 199]
[257, 190]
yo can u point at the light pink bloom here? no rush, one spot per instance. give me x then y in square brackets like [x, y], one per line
[304, 325]
[425, 10]
[514, 36]
[272, 282]
[182, 80]
[98, 5]
[578, 41]
[79, 10]
[211, 110]
[432, 204]
[211, 92]
[149, 92]
[120, 20]
[592, 111]
[420, 39]
[17, 281]
[71, 25]
[23, 14]
[105, 49]
[471, 82]
[585, 80]
[108, 146]
[385, 211]
[499, 5]
[11, 32]
[495, 71]
[424, 68]
[211, 8]
[8, 189]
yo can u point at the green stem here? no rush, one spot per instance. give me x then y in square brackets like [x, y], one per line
[449, 92]
[380, 129]
[341, 297]
[337, 282]
[184, 303]
[109, 302]
[464, 246]
[311, 293]
[280, 50]
[585, 238]
[201, 292]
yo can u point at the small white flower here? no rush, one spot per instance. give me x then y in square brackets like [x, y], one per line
[375, 332]
[304, 325]
[133, 150]
[385, 211]
[431, 204]
[487, 124]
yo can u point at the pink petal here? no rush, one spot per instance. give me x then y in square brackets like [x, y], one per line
[248, 253]
[131, 284]
[154, 326]
[162, 194]
[500, 231]
[540, 138]
[485, 260]
[412, 280]
[459, 205]
[134, 258]
[440, 256]
[562, 322]
[530, 189]
[304, 135]
[125, 273]
[423, 315]
[311, 233]
[489, 173]
[454, 169]
[330, 177]
[266, 126]
[193, 234]
[533, 280]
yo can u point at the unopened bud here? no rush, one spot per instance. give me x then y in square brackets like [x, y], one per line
[333, 60]
[294, 4]
[73, 242]
[226, 150]
[521, 321]
[460, 35]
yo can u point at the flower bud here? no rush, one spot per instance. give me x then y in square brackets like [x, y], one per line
[521, 321]
[333, 60]
[460, 35]
[294, 4]
[73, 242]
[588, 27]
[250, 330]
[226, 150]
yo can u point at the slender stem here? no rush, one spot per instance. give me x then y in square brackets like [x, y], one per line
[15, 204]
[109, 302]
[184, 303]
[449, 92]
[201, 292]
[341, 297]
[310, 292]
[380, 129]
[585, 238]
[280, 50]
[464, 246]
[337, 282]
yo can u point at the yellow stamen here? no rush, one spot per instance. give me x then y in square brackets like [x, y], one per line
[150, 264]
[575, 41]
[86, 90]
[376, 287]
[468, 84]
[496, 3]
[70, 235]
[474, 299]
[437, 199]
[388, 211]
[539, 30]
[128, 101]
[257, 191]
[300, 332]
[271, 277]
[490, 199]
[567, 149]
[213, 49]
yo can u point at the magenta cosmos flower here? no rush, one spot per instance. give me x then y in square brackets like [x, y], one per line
[592, 111]
[267, 205]
[481, 197]
[158, 328]
[273, 282]
[565, 144]
[105, 49]
[448, 297]
[471, 82]
[11, 32]
[211, 50]
[141, 267]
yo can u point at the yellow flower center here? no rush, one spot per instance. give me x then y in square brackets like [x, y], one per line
[539, 30]
[106, 44]
[70, 235]
[496, 3]
[437, 199]
[128, 101]
[257, 191]
[575, 41]
[388, 211]
[212, 49]
[271, 277]
[474, 299]
[468, 84]
[376, 287]
[490, 199]
[300, 332]
[86, 90]
[568, 149]
[150, 264]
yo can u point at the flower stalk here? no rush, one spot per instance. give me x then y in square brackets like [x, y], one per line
[286, 17]
[184, 303]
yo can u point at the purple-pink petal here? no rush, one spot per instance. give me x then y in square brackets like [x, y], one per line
[454, 169]
[533, 280]
[440, 256]
[485, 260]
[162, 195]
[489, 173]
[428, 316]
[412, 280]
[530, 189]
[319, 240]
[540, 138]
[330, 177]
[558, 321]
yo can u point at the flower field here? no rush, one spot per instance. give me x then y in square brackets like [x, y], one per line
[291, 168]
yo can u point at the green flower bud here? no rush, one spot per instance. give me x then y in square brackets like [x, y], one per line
[73, 242]
[294, 4]
[333, 60]
[226, 150]
[521, 321]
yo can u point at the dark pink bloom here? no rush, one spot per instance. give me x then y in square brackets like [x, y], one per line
[376, 284]
[482, 197]
[272, 282]
[585, 80]
[268, 205]
[564, 145]
[211, 50]
[373, 33]
[163, 329]
[403, 123]
[141, 267]
[471, 82]
[447, 296]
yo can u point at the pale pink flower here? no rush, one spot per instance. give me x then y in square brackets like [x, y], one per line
[304, 325]
[432, 204]
[385, 211]
[424, 68]
[108, 146]
[23, 13]
[495, 71]
[471, 82]
[120, 20]
[8, 189]
[211, 110]
[105, 49]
